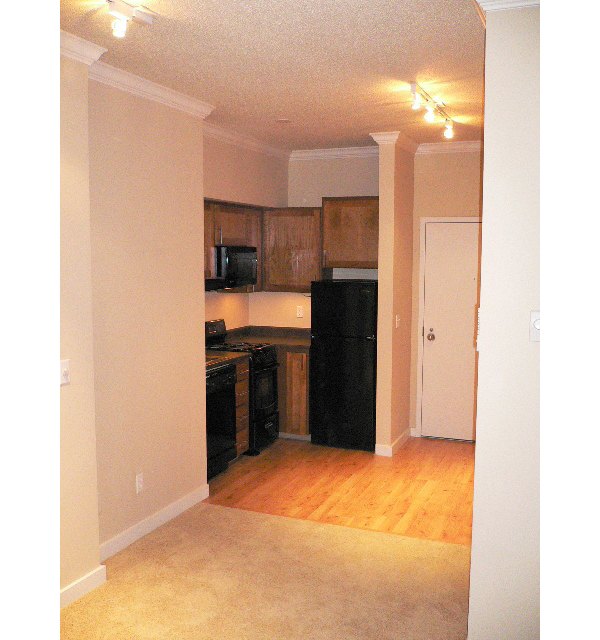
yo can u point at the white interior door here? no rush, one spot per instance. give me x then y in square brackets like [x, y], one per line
[449, 329]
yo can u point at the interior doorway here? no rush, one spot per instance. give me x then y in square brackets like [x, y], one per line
[447, 359]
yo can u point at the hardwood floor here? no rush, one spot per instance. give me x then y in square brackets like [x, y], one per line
[424, 491]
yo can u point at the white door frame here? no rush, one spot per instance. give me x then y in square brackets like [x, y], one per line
[418, 430]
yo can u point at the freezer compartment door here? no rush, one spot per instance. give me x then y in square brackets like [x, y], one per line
[344, 308]
[342, 392]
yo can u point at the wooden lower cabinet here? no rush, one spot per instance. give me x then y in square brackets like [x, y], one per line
[242, 406]
[293, 392]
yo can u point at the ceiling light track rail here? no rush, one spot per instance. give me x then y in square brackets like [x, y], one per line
[434, 106]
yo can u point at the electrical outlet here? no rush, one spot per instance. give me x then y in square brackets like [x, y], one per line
[299, 311]
[139, 483]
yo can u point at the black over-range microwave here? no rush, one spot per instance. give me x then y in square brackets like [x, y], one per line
[235, 267]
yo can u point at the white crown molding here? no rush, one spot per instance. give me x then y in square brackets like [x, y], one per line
[125, 81]
[332, 154]
[386, 137]
[500, 5]
[79, 49]
[466, 146]
[459, 146]
[246, 142]
[397, 138]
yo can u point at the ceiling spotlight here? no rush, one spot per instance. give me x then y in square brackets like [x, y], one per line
[123, 13]
[416, 105]
[119, 27]
[429, 113]
[449, 130]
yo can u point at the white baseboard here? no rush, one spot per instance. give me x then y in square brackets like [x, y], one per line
[388, 450]
[83, 585]
[294, 436]
[139, 530]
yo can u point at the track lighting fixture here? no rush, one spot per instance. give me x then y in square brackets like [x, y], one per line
[429, 113]
[449, 130]
[123, 13]
[433, 107]
[416, 105]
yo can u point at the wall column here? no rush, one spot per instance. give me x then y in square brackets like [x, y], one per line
[396, 187]
[79, 556]
[504, 596]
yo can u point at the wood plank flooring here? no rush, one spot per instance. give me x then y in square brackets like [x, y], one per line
[424, 491]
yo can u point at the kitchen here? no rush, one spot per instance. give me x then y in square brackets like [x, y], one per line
[139, 289]
[282, 250]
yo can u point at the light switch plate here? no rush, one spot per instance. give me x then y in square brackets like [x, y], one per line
[65, 372]
[534, 326]
[299, 311]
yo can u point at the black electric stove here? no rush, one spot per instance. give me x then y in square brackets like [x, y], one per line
[264, 415]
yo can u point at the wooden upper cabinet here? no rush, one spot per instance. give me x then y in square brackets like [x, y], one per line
[231, 225]
[291, 248]
[350, 232]
[235, 225]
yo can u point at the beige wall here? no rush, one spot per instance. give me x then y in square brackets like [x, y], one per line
[238, 174]
[446, 185]
[232, 307]
[504, 596]
[279, 309]
[148, 304]
[396, 185]
[78, 481]
[311, 180]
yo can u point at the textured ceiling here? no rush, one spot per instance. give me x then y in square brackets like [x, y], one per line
[337, 69]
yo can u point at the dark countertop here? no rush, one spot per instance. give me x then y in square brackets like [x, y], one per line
[215, 359]
[292, 337]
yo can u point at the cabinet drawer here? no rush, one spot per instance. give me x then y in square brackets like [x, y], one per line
[242, 441]
[242, 421]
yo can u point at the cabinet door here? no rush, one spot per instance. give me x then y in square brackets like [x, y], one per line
[254, 237]
[231, 225]
[292, 247]
[350, 232]
[296, 419]
[209, 245]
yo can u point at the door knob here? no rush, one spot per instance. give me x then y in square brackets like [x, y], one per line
[431, 336]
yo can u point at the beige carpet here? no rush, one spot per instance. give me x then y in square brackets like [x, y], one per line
[220, 573]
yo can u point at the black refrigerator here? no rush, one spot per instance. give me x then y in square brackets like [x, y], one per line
[343, 363]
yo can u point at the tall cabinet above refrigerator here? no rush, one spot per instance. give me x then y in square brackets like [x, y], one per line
[343, 359]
